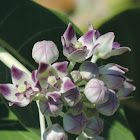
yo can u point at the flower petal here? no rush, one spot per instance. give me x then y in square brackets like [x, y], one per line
[87, 40]
[78, 56]
[125, 89]
[54, 96]
[118, 51]
[112, 81]
[76, 76]
[18, 76]
[43, 70]
[112, 68]
[116, 45]
[70, 35]
[37, 85]
[96, 34]
[21, 103]
[106, 43]
[60, 68]
[8, 91]
[90, 53]
[65, 49]
[67, 84]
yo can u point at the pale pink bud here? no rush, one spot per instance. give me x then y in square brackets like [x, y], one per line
[45, 51]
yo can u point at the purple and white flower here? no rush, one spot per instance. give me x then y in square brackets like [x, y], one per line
[53, 80]
[106, 47]
[112, 75]
[22, 91]
[45, 51]
[77, 50]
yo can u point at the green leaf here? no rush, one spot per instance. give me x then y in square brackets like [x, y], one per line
[126, 27]
[116, 127]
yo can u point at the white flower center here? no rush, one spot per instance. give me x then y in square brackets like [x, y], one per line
[52, 80]
[78, 45]
[22, 88]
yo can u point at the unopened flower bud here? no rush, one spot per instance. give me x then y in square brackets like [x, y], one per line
[45, 51]
[77, 109]
[71, 97]
[124, 90]
[112, 75]
[55, 132]
[89, 70]
[50, 107]
[94, 127]
[75, 124]
[96, 91]
[110, 107]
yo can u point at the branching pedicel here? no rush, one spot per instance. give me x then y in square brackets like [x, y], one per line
[56, 86]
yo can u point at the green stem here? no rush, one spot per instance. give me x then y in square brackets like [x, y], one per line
[71, 66]
[83, 82]
[42, 121]
[94, 59]
[82, 89]
[48, 119]
[61, 114]
[9, 60]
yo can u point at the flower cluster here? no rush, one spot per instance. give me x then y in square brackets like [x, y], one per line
[78, 96]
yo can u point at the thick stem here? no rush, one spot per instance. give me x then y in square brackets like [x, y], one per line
[9, 60]
[71, 66]
[94, 59]
[42, 121]
[49, 122]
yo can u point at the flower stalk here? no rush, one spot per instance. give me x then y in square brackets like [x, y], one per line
[71, 66]
[48, 119]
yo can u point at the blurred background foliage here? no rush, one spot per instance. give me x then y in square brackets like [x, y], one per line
[96, 11]
[21, 26]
